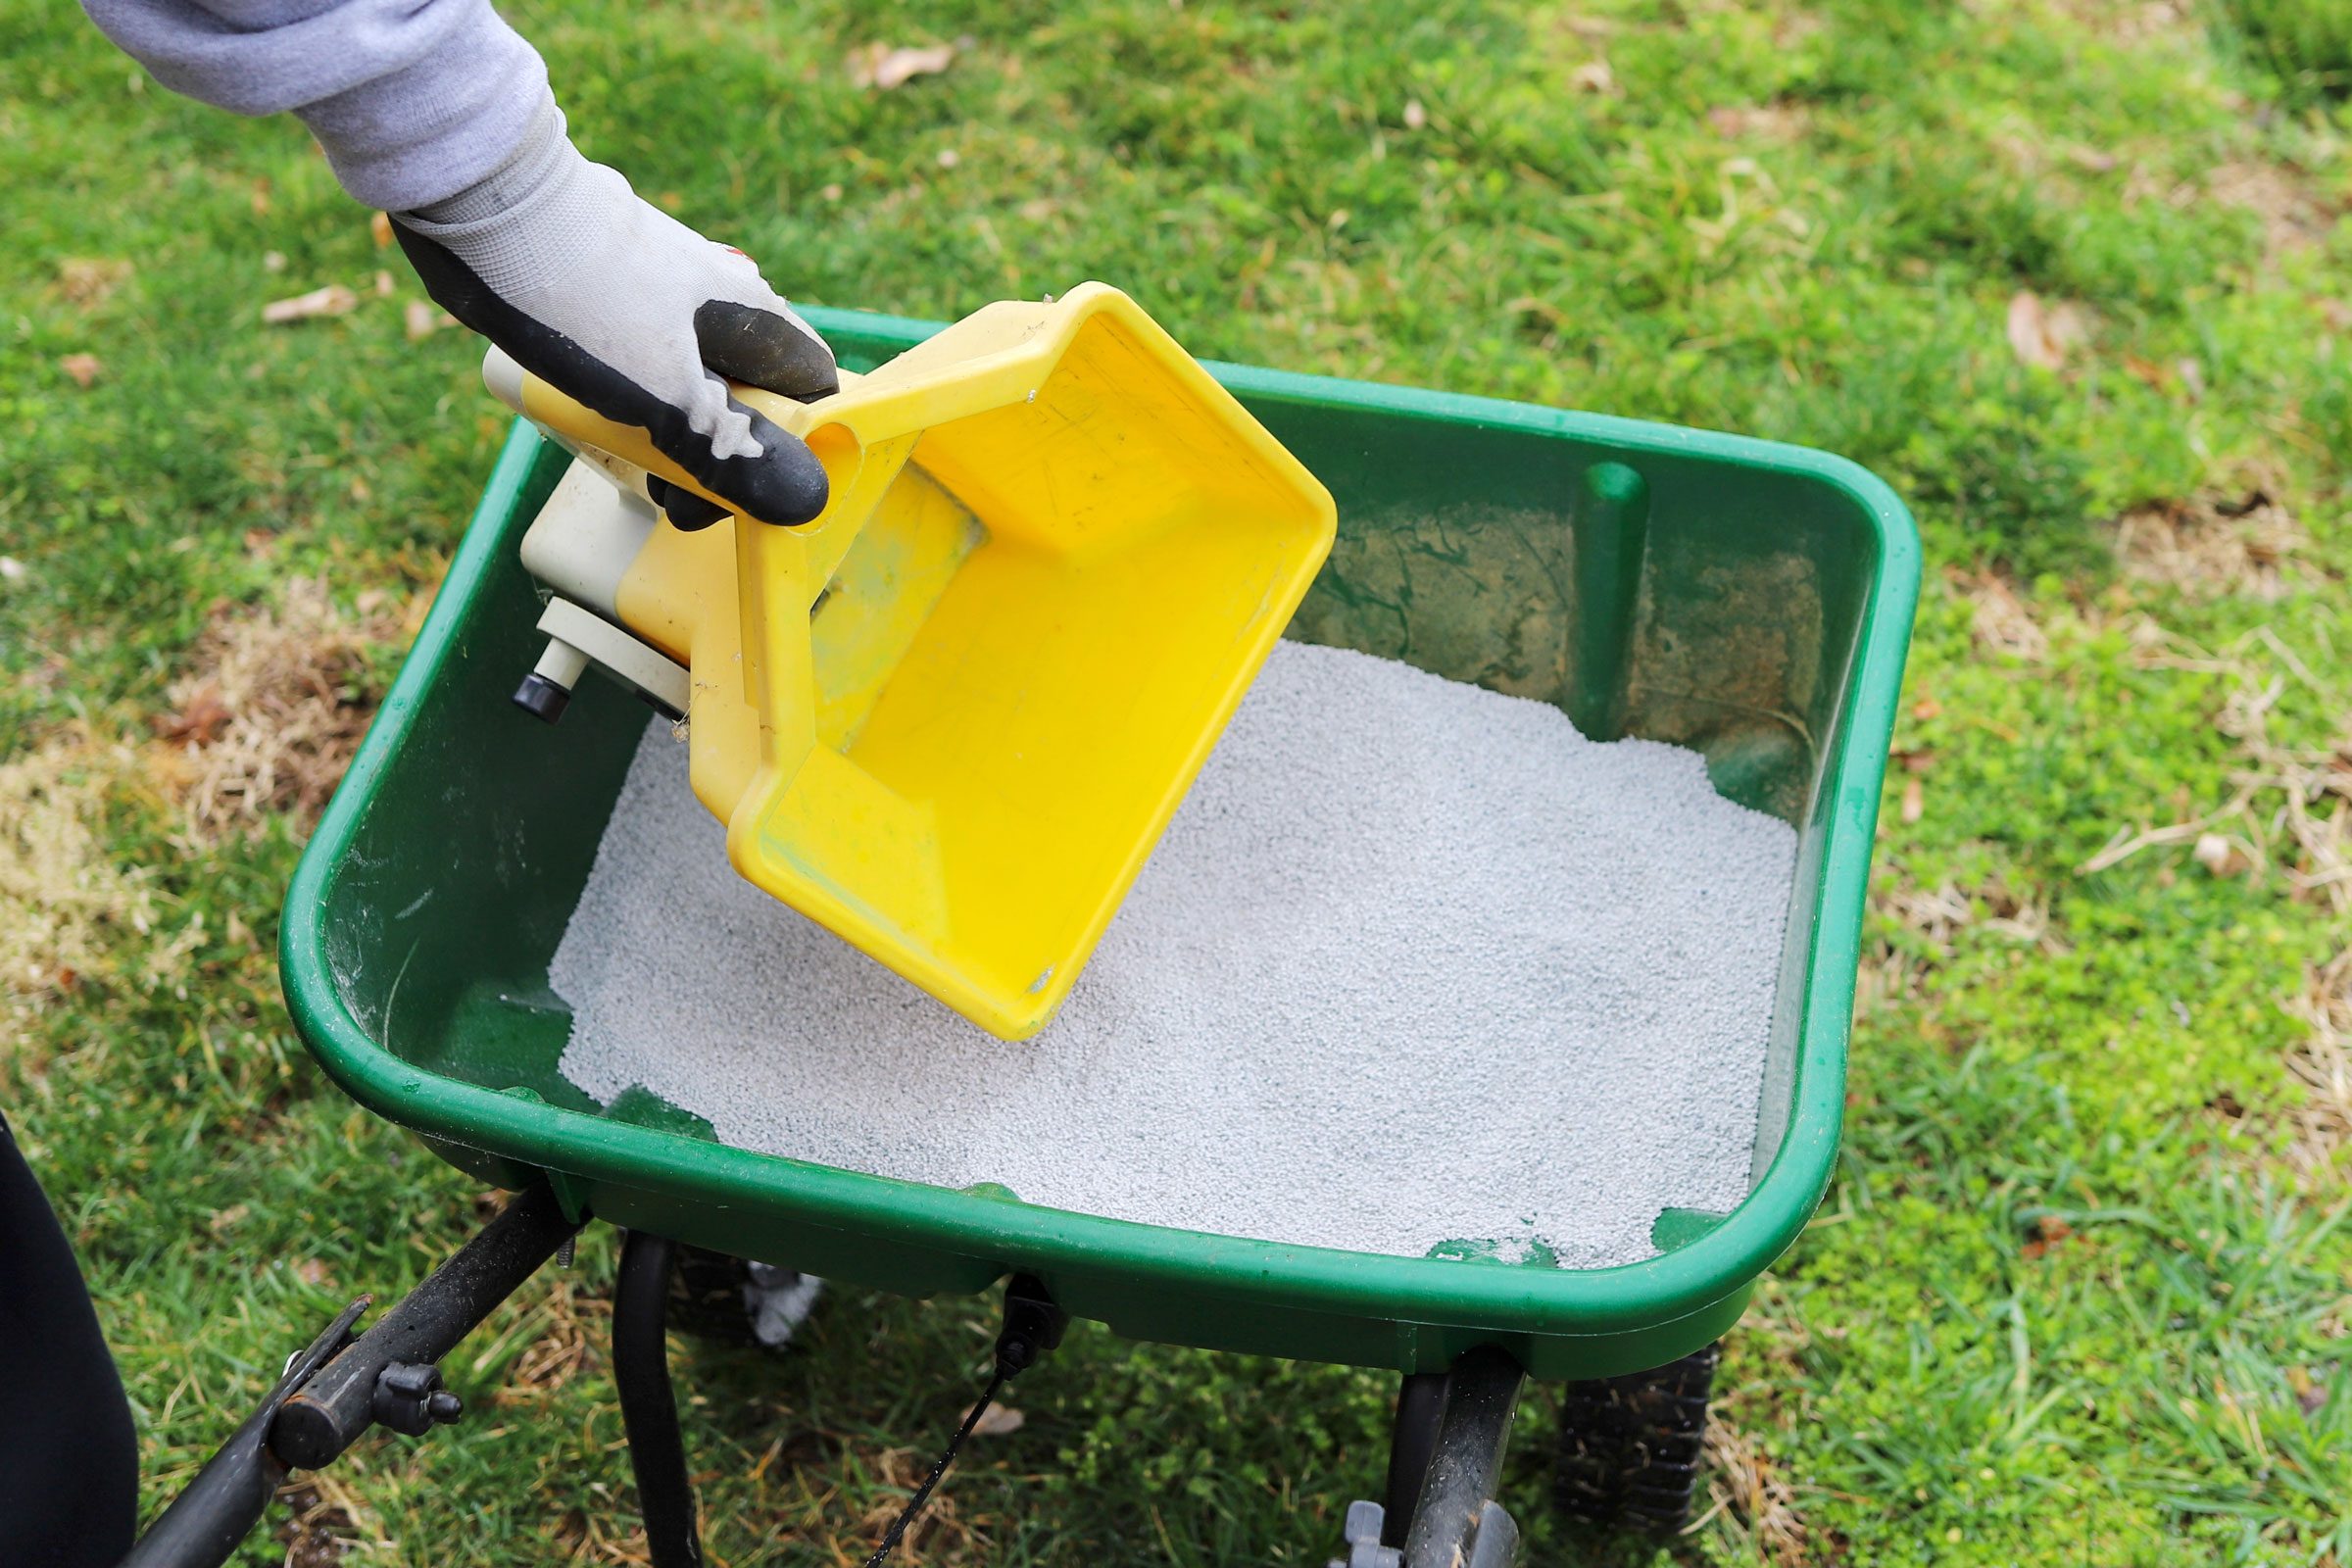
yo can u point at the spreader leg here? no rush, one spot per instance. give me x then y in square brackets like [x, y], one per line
[1420, 1403]
[1444, 1462]
[1458, 1519]
[649, 1410]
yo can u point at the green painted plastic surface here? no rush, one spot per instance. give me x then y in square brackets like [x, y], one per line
[1749, 599]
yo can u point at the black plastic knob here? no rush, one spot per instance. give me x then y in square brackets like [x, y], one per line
[542, 698]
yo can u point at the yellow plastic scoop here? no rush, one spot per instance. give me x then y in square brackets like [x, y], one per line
[950, 717]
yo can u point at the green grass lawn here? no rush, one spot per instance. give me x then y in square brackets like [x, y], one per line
[2073, 274]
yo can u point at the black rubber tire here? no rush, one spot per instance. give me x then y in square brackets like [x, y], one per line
[1629, 1447]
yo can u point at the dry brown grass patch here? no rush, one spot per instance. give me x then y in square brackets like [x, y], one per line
[2212, 546]
[939, 1536]
[1939, 914]
[2289, 816]
[1746, 1487]
[1943, 911]
[322, 1524]
[1999, 619]
[2290, 812]
[2291, 209]
[67, 901]
[276, 703]
[2322, 1064]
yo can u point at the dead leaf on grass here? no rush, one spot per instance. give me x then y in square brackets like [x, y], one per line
[379, 228]
[999, 1421]
[198, 721]
[332, 300]
[83, 368]
[2221, 855]
[1415, 116]
[1594, 77]
[422, 321]
[1915, 801]
[880, 67]
[2041, 334]
[2048, 1232]
[1768, 122]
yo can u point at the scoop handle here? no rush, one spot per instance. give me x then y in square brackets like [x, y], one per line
[626, 452]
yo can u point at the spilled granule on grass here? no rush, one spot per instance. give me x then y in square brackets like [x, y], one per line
[2212, 546]
[65, 901]
[276, 704]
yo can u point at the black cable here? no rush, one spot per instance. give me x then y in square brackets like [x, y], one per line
[1033, 1325]
[922, 1494]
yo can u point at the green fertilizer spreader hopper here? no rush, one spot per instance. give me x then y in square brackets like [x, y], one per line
[1748, 600]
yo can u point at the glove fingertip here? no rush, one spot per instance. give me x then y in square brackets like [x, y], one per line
[785, 484]
[793, 486]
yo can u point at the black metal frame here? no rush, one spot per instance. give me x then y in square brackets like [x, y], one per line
[1444, 1462]
[649, 1406]
[340, 1386]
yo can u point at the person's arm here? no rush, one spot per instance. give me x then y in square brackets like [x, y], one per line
[440, 114]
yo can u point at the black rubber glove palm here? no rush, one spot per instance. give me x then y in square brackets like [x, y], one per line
[598, 293]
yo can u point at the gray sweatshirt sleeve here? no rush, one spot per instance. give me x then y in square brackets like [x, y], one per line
[412, 100]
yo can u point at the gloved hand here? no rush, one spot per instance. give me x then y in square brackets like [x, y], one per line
[558, 262]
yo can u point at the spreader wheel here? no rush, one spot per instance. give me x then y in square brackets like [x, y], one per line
[1630, 1446]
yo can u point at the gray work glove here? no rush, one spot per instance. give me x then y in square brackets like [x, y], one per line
[605, 297]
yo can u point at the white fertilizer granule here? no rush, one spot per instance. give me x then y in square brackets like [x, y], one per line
[1416, 966]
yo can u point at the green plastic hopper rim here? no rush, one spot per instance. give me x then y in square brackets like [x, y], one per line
[1557, 1301]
